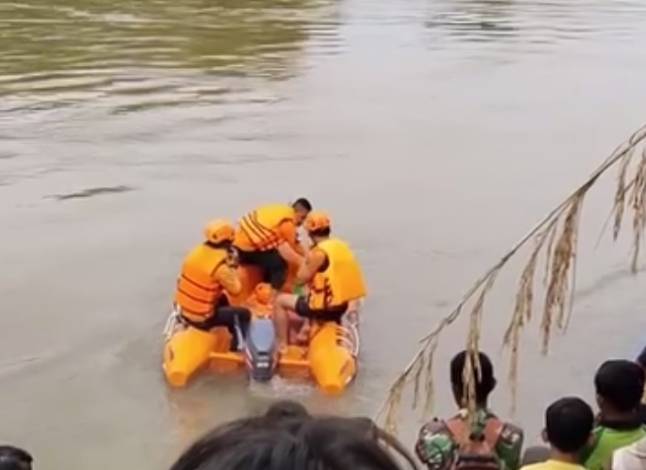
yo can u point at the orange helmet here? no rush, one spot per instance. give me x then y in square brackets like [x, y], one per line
[218, 231]
[317, 221]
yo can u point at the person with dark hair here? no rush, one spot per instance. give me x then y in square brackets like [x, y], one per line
[333, 277]
[486, 443]
[293, 442]
[619, 385]
[286, 409]
[209, 272]
[641, 361]
[267, 238]
[568, 430]
[13, 458]
[303, 205]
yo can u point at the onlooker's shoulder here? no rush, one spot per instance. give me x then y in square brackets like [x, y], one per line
[435, 426]
[534, 466]
[510, 445]
[512, 433]
[434, 437]
[435, 445]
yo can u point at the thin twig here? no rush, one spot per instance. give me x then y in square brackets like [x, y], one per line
[560, 262]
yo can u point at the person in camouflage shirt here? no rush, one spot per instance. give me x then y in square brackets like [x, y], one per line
[436, 446]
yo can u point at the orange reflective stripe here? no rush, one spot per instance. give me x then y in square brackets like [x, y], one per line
[249, 229]
[263, 238]
[261, 226]
[197, 284]
[256, 237]
[197, 291]
[270, 237]
[195, 307]
[254, 220]
[196, 295]
[320, 298]
[341, 281]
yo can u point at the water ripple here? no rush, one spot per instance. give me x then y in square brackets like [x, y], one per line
[54, 50]
[519, 23]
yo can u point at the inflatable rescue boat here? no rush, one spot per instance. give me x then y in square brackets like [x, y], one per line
[329, 357]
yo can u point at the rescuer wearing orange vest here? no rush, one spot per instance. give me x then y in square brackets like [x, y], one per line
[333, 277]
[267, 238]
[208, 273]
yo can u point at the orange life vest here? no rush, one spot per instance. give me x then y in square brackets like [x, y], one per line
[197, 290]
[341, 281]
[260, 227]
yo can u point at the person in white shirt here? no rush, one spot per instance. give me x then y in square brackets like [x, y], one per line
[632, 457]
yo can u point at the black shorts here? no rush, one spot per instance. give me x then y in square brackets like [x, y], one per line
[224, 316]
[274, 267]
[334, 314]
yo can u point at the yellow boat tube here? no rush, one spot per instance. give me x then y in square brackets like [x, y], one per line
[185, 353]
[332, 361]
[330, 358]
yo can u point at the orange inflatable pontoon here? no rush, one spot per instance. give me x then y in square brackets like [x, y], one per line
[329, 358]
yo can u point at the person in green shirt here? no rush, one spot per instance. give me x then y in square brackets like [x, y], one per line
[439, 442]
[619, 385]
[568, 429]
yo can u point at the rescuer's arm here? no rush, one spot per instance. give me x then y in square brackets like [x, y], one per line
[313, 262]
[227, 276]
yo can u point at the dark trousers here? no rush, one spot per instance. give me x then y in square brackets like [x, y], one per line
[274, 267]
[334, 314]
[226, 315]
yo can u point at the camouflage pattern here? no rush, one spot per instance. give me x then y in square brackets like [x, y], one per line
[437, 449]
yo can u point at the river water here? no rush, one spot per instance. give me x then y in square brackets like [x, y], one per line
[434, 131]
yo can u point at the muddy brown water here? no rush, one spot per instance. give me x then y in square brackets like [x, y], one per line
[434, 132]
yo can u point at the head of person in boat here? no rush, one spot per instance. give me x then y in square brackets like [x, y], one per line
[288, 438]
[14, 458]
[302, 207]
[568, 430]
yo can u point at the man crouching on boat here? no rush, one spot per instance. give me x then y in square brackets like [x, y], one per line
[333, 278]
[209, 271]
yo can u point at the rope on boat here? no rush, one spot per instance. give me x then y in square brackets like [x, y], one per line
[171, 324]
[348, 337]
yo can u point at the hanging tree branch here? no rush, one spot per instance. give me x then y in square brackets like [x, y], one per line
[556, 239]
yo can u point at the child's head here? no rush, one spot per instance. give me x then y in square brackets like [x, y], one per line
[568, 424]
[14, 458]
[620, 385]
